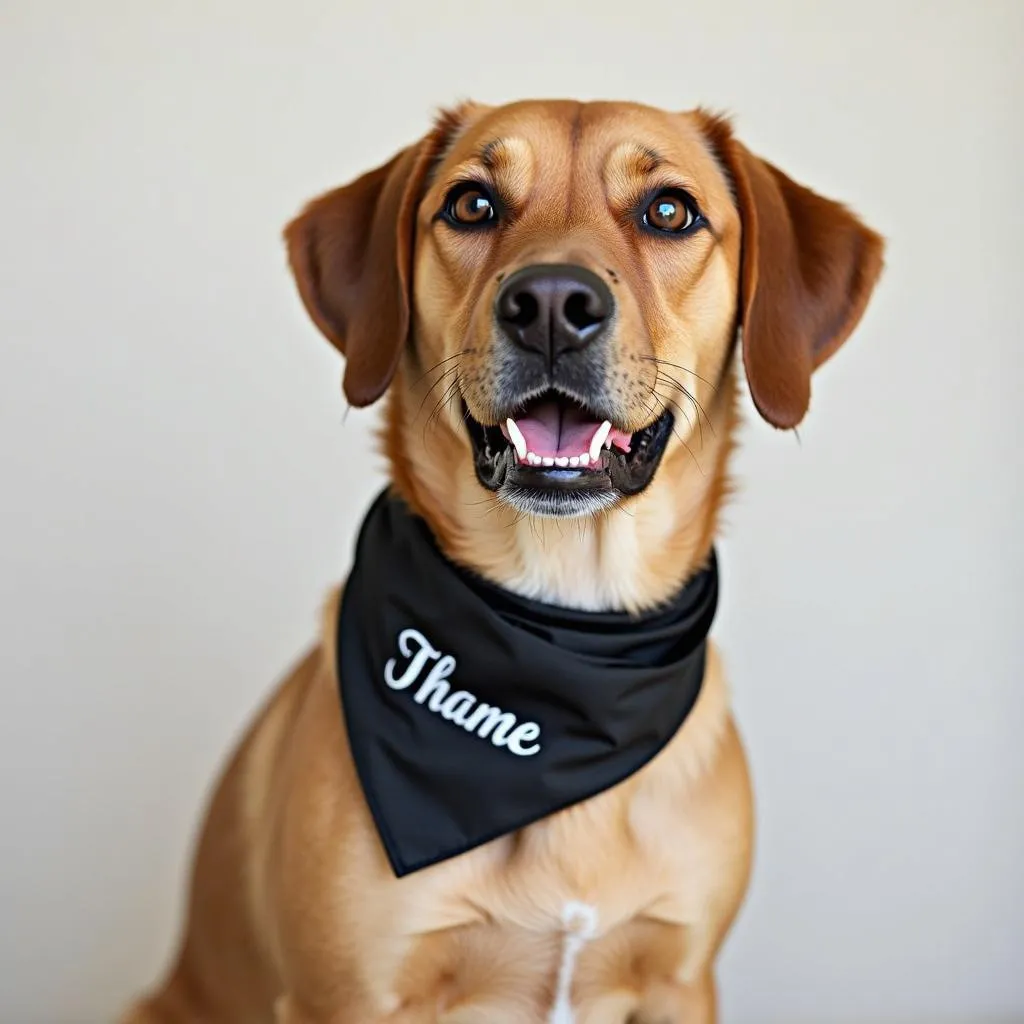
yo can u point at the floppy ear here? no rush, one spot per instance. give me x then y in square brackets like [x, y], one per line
[351, 252]
[808, 269]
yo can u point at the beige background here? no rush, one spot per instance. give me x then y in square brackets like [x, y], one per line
[179, 485]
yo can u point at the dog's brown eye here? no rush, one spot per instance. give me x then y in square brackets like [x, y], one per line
[672, 212]
[471, 206]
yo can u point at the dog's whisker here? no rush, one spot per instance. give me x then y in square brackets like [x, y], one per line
[437, 383]
[670, 399]
[451, 392]
[438, 364]
[682, 412]
[494, 505]
[520, 515]
[675, 381]
[682, 441]
[679, 386]
[690, 423]
[685, 369]
[428, 422]
[654, 413]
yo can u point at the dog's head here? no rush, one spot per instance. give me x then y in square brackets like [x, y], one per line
[570, 279]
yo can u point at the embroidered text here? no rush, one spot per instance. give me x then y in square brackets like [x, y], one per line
[457, 706]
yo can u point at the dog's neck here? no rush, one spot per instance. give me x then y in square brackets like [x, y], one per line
[626, 559]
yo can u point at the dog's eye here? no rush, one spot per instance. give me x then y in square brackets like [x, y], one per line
[671, 211]
[469, 205]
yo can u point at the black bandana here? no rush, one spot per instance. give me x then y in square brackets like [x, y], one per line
[473, 712]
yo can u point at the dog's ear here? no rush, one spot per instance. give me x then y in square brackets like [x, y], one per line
[808, 268]
[351, 252]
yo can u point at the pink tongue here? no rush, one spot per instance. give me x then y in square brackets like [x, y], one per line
[555, 430]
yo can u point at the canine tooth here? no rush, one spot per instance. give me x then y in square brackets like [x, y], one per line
[562, 460]
[598, 440]
[548, 461]
[517, 438]
[574, 460]
[533, 458]
[585, 459]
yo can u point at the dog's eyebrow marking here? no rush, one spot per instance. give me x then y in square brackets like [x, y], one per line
[630, 167]
[490, 154]
[652, 159]
[509, 163]
[638, 159]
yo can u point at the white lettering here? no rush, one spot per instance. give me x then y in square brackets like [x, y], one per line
[457, 706]
[485, 719]
[524, 733]
[434, 686]
[424, 653]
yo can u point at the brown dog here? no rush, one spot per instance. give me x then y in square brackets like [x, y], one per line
[640, 242]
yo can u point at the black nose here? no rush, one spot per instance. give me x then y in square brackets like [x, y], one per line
[553, 308]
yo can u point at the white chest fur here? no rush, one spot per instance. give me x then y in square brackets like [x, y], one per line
[580, 922]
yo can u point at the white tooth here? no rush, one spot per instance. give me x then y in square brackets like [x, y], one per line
[548, 461]
[574, 460]
[585, 459]
[562, 460]
[599, 439]
[533, 458]
[517, 437]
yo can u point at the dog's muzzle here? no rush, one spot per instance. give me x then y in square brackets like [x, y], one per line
[559, 447]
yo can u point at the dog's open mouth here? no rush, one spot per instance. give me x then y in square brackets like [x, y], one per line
[555, 457]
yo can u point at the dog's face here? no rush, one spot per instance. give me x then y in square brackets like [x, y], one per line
[571, 277]
[576, 272]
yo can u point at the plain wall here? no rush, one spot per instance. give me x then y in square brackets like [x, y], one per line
[180, 483]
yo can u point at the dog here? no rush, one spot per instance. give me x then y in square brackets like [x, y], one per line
[553, 296]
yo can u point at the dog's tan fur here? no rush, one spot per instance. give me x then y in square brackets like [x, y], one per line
[295, 914]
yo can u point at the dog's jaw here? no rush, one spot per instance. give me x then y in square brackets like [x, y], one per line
[629, 557]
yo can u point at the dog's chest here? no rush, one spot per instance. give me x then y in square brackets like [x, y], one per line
[582, 871]
[574, 891]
